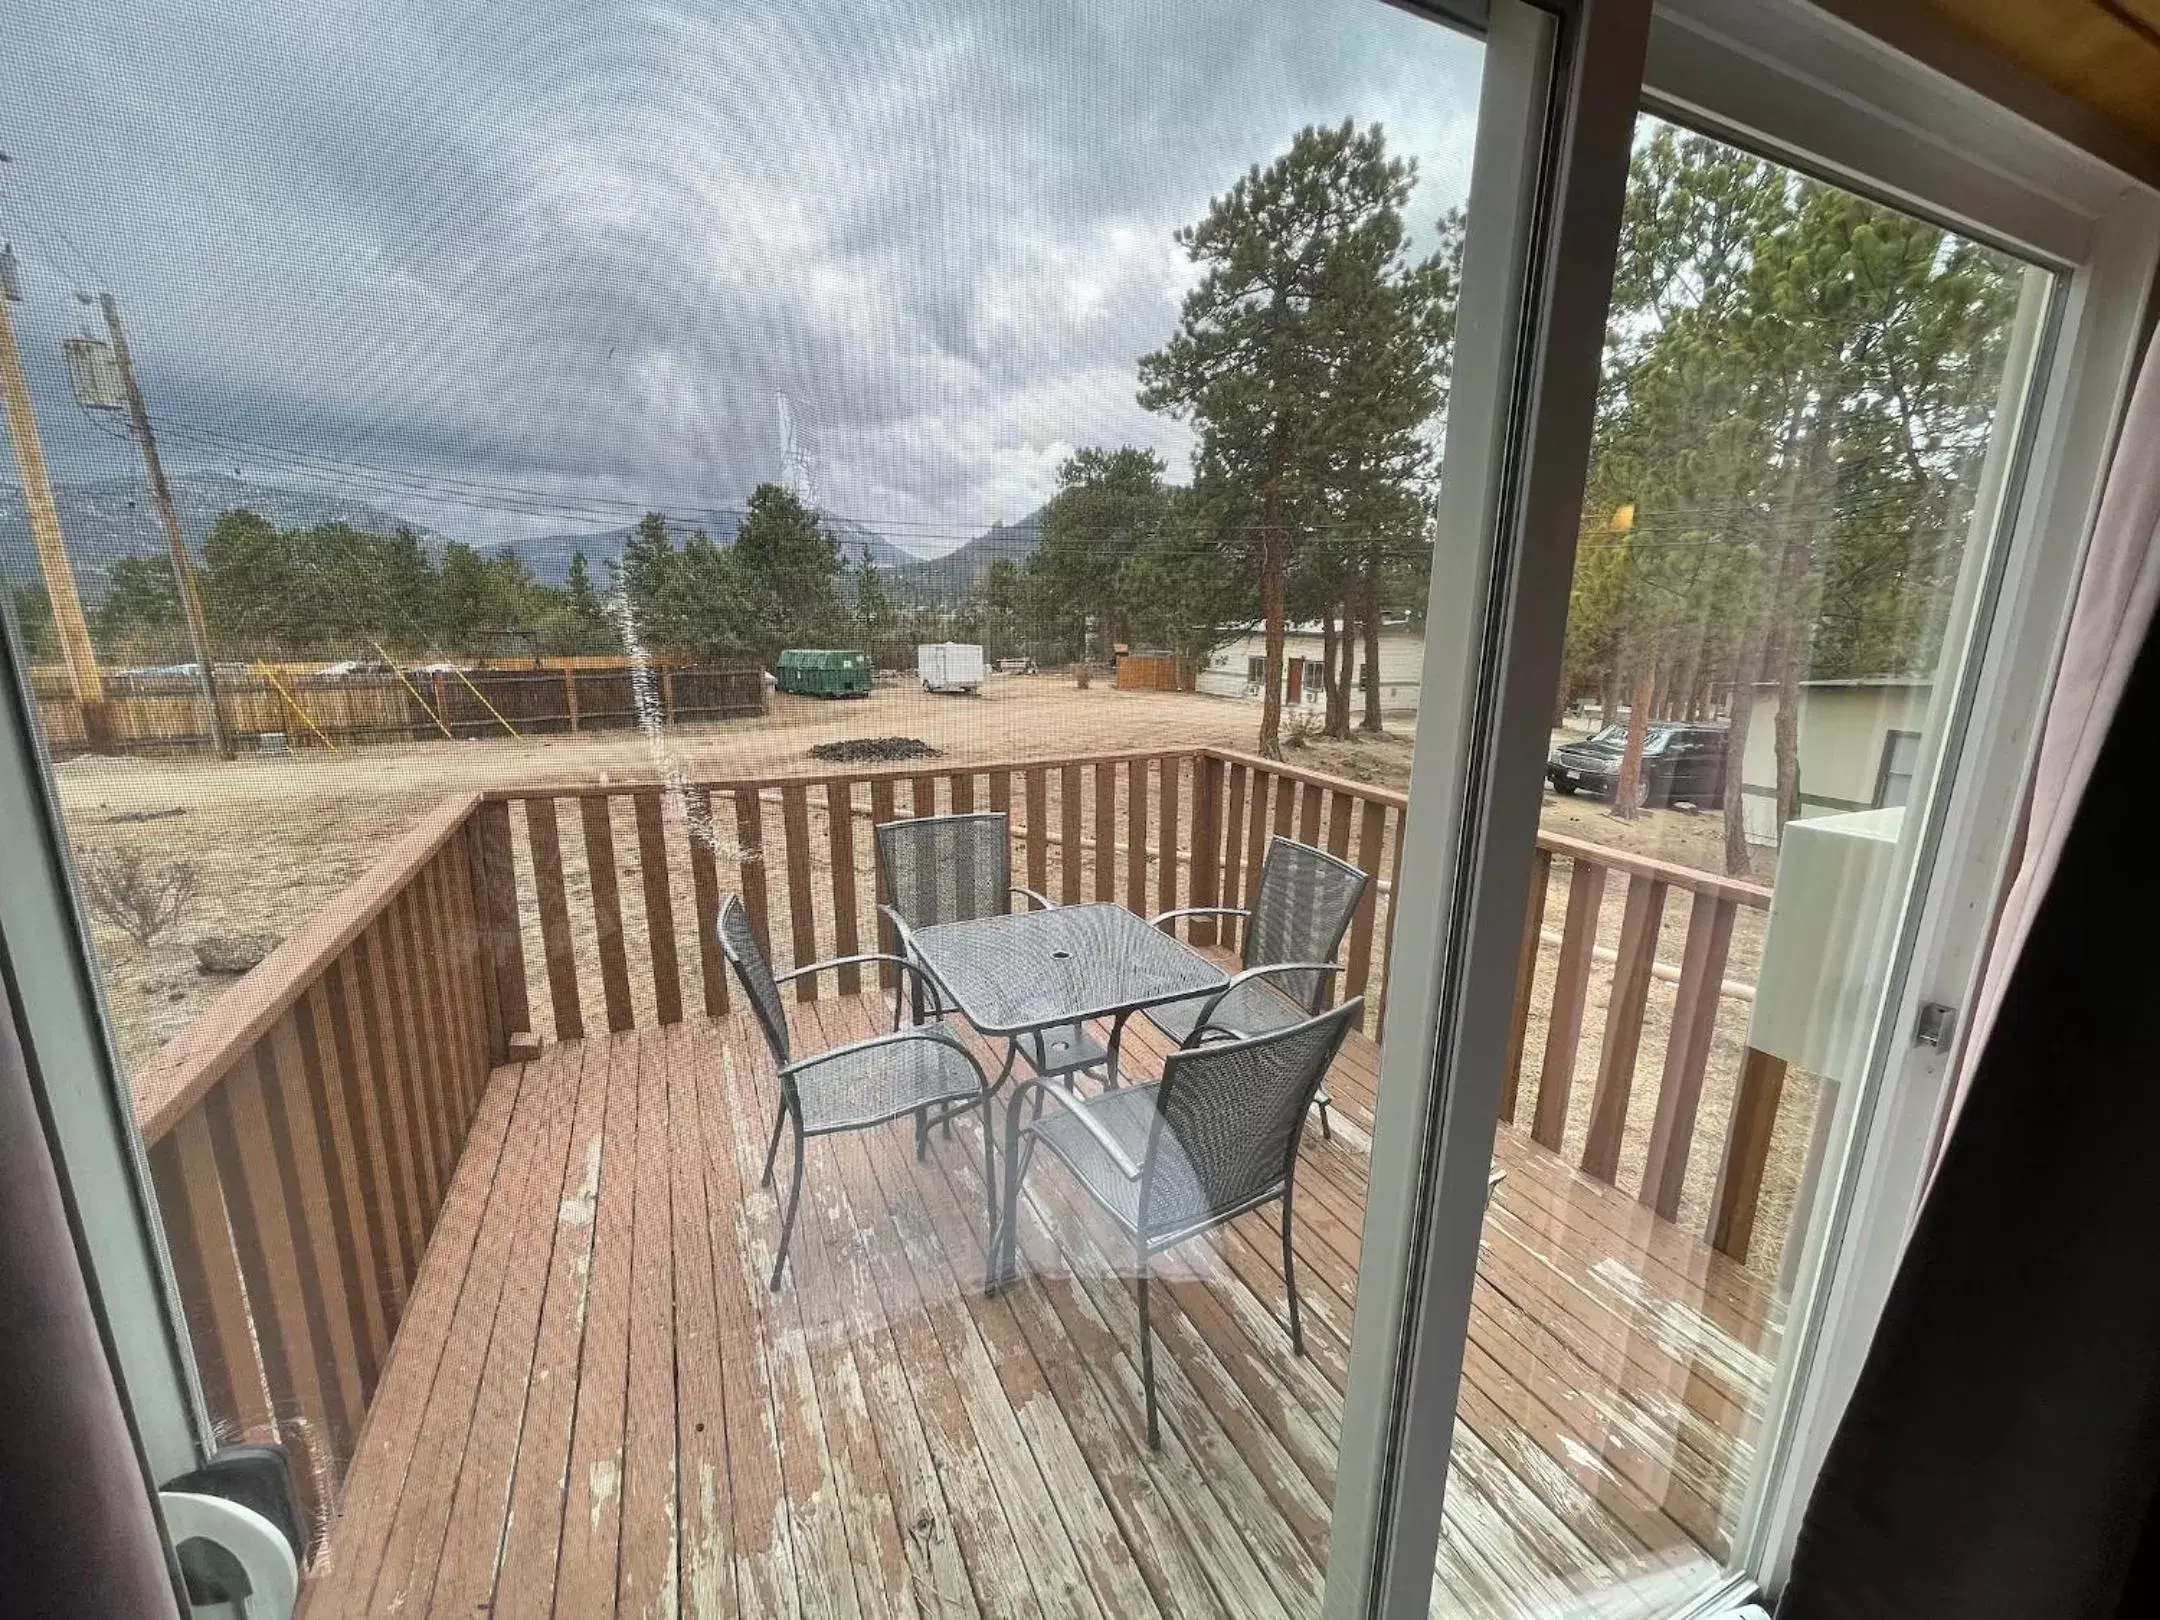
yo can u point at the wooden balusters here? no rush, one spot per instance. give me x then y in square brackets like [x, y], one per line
[1734, 1205]
[1571, 985]
[750, 836]
[1687, 1051]
[881, 811]
[1641, 919]
[1168, 769]
[1231, 886]
[1372, 829]
[658, 885]
[1105, 830]
[604, 881]
[840, 851]
[1038, 830]
[1136, 783]
[554, 907]
[705, 888]
[1525, 982]
[502, 937]
[1070, 852]
[802, 921]
[1207, 821]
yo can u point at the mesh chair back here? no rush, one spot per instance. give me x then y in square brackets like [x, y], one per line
[1228, 1119]
[739, 940]
[941, 869]
[1300, 913]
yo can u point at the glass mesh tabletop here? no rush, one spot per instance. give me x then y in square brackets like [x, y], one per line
[1020, 972]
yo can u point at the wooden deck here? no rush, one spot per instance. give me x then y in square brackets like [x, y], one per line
[594, 1407]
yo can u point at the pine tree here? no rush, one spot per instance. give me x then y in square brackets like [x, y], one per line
[1305, 358]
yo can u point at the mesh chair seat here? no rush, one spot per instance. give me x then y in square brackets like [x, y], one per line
[1177, 1199]
[867, 1085]
[1253, 1008]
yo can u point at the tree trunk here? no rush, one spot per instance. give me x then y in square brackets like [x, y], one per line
[1273, 572]
[1737, 859]
[1334, 709]
[1608, 693]
[1369, 625]
[1788, 729]
[1628, 790]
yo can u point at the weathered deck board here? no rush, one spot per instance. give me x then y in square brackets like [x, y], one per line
[593, 1405]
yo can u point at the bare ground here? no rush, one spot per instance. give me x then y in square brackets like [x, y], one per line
[275, 839]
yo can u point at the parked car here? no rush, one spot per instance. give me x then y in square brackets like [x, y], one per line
[1681, 764]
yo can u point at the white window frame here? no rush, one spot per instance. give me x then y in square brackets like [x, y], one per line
[1788, 80]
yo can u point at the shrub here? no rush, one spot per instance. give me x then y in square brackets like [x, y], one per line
[140, 899]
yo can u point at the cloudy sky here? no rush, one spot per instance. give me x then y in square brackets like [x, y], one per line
[535, 269]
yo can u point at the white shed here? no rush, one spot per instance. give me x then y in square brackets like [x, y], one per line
[1859, 747]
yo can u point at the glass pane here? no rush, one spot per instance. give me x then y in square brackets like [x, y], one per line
[1809, 400]
[615, 468]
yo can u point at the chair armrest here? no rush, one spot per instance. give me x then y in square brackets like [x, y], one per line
[1077, 1108]
[906, 964]
[1042, 901]
[1199, 911]
[1247, 976]
[920, 1032]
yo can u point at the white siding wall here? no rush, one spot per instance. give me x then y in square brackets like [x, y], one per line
[1842, 733]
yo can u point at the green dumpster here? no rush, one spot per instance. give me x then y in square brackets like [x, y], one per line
[823, 672]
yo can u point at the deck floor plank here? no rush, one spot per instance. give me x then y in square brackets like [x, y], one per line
[619, 1418]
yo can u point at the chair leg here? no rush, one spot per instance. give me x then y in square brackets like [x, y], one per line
[1005, 1235]
[1147, 1362]
[922, 1132]
[990, 1197]
[1289, 1279]
[773, 1145]
[1327, 1131]
[787, 1226]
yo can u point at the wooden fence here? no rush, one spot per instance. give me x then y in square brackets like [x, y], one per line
[302, 1134]
[164, 714]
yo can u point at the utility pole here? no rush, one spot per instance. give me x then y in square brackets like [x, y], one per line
[83, 675]
[183, 569]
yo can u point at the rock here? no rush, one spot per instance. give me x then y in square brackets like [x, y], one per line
[234, 953]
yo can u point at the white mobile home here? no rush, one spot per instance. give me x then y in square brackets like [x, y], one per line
[1238, 668]
[1859, 746]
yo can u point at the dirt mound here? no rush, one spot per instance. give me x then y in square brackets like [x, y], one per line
[871, 750]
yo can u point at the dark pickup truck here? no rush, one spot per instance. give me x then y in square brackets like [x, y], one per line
[1681, 764]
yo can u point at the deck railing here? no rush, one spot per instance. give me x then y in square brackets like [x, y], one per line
[302, 1134]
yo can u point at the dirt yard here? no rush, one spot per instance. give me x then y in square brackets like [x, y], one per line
[272, 840]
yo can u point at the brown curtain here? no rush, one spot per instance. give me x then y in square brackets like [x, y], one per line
[2001, 1453]
[77, 1532]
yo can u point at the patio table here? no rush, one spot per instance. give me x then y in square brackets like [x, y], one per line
[1028, 971]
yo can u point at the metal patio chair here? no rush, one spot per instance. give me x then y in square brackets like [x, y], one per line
[1171, 1159]
[1302, 907]
[855, 1086]
[942, 869]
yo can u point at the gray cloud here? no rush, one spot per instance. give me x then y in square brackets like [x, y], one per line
[576, 249]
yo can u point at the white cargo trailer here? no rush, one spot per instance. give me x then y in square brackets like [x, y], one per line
[949, 666]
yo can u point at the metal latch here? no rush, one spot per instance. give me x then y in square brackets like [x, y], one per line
[1935, 1026]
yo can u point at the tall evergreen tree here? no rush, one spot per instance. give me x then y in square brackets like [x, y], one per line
[1305, 318]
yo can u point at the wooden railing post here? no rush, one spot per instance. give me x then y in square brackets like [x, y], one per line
[1571, 985]
[1525, 982]
[502, 937]
[1636, 957]
[1207, 834]
[1687, 1052]
[1734, 1206]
